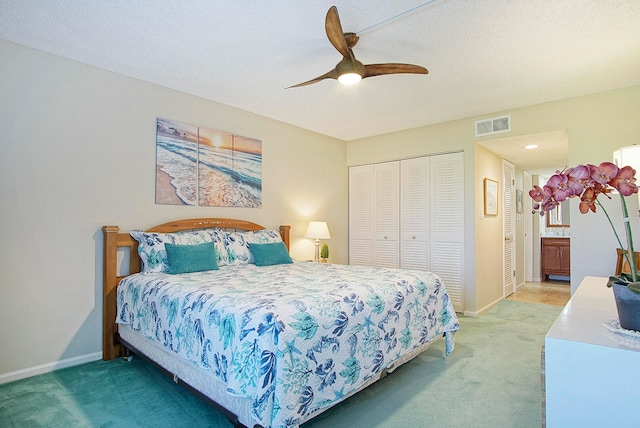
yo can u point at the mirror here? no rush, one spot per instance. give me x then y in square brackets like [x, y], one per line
[559, 217]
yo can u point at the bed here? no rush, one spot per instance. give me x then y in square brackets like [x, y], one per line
[269, 341]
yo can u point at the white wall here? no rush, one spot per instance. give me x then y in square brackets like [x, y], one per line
[78, 152]
[489, 237]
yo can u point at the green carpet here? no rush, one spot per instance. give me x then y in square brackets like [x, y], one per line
[492, 379]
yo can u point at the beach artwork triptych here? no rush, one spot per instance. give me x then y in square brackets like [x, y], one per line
[206, 167]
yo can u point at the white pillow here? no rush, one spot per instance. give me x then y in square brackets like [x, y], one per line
[153, 254]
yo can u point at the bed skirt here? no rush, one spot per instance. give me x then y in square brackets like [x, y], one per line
[212, 388]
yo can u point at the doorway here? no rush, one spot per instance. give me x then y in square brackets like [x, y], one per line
[552, 153]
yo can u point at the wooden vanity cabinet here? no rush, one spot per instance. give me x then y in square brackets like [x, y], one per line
[556, 257]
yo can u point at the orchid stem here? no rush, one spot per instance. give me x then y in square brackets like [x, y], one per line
[627, 226]
[626, 253]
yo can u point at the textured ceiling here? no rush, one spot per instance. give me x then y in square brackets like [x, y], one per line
[550, 155]
[483, 56]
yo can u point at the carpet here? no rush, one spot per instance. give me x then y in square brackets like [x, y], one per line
[492, 379]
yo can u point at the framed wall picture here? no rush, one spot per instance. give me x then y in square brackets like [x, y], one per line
[490, 197]
[206, 167]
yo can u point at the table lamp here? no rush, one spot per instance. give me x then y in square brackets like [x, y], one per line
[317, 230]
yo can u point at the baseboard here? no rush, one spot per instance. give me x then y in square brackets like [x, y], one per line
[482, 310]
[49, 367]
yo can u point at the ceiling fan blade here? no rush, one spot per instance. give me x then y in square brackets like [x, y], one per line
[371, 70]
[333, 74]
[335, 34]
[349, 66]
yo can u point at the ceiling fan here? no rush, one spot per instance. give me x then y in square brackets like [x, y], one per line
[350, 70]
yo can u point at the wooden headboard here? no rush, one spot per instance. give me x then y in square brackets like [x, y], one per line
[114, 240]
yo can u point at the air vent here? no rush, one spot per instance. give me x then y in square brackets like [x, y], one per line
[494, 125]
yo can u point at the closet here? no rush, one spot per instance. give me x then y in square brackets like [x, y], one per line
[410, 214]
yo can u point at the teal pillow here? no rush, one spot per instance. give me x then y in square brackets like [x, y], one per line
[270, 254]
[191, 258]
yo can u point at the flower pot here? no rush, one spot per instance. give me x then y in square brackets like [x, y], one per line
[628, 304]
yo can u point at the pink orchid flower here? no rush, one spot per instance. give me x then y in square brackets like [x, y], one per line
[625, 181]
[578, 178]
[604, 173]
[559, 184]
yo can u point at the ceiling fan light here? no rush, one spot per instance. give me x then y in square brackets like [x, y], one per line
[349, 78]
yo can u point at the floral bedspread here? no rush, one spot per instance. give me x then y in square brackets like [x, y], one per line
[293, 338]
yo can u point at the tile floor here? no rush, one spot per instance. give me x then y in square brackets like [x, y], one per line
[555, 293]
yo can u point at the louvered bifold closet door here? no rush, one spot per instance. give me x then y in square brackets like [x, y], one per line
[447, 223]
[386, 194]
[361, 215]
[508, 218]
[414, 214]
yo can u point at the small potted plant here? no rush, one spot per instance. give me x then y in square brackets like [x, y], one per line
[587, 182]
[324, 253]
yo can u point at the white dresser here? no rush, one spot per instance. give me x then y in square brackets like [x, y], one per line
[592, 376]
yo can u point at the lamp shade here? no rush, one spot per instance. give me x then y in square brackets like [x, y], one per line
[318, 230]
